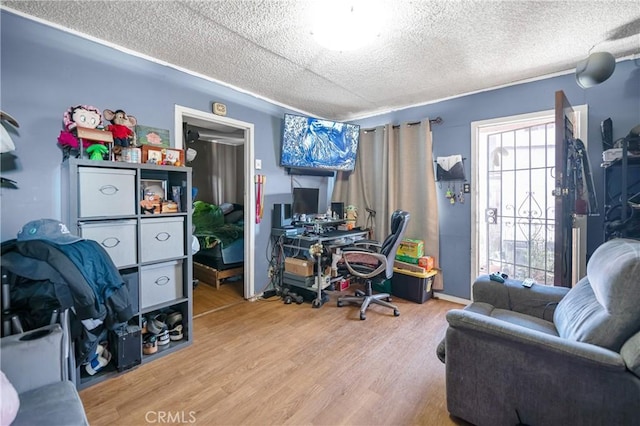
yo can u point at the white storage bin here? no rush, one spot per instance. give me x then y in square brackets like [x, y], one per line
[106, 192]
[117, 237]
[161, 282]
[162, 238]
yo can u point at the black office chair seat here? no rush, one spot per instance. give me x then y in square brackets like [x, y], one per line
[375, 266]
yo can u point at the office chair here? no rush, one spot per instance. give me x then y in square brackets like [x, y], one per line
[377, 265]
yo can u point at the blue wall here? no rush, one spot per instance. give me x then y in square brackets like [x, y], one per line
[618, 98]
[43, 71]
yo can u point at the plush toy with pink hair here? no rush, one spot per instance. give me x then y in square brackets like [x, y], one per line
[74, 117]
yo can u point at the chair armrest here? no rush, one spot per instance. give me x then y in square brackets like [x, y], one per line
[34, 358]
[368, 243]
[539, 300]
[528, 340]
[369, 272]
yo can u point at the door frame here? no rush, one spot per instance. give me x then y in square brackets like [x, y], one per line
[183, 114]
[582, 128]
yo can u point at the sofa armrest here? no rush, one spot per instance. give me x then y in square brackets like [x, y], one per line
[539, 300]
[34, 358]
[493, 328]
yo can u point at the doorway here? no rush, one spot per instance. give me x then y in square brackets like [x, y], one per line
[513, 213]
[227, 131]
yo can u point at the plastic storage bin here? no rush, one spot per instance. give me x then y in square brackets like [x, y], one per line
[413, 286]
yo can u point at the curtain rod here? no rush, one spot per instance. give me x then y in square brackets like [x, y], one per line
[437, 120]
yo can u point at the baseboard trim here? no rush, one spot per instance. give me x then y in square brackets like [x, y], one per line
[453, 299]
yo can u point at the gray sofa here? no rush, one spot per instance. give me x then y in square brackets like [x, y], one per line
[550, 355]
[35, 364]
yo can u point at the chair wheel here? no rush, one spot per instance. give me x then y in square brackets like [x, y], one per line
[396, 313]
[339, 304]
[363, 316]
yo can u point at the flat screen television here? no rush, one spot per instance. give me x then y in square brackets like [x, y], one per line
[305, 201]
[312, 143]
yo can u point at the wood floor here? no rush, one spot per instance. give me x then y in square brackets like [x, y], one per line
[266, 363]
[206, 299]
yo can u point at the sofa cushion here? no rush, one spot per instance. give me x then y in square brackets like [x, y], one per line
[602, 308]
[57, 403]
[523, 320]
[631, 354]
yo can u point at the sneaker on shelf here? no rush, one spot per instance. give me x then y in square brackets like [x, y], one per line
[163, 339]
[176, 333]
[156, 323]
[173, 318]
[144, 325]
[101, 358]
[149, 344]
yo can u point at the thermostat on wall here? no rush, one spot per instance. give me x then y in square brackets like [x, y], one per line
[219, 109]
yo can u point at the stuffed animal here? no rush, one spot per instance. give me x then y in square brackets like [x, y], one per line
[352, 216]
[352, 212]
[74, 117]
[120, 126]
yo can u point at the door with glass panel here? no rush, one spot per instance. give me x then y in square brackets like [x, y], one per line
[515, 208]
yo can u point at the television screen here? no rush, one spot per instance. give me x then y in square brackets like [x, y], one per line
[313, 143]
[305, 200]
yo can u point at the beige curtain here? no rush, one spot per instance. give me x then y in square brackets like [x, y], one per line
[394, 170]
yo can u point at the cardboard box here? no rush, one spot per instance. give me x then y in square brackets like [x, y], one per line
[413, 286]
[302, 267]
[411, 248]
[407, 259]
[427, 262]
[146, 135]
[408, 266]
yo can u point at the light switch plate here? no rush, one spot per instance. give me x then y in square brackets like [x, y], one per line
[258, 164]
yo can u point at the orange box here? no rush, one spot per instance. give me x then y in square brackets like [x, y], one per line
[426, 262]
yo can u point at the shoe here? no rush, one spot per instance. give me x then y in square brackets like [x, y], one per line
[101, 358]
[176, 333]
[163, 339]
[174, 324]
[173, 318]
[156, 323]
[144, 326]
[150, 344]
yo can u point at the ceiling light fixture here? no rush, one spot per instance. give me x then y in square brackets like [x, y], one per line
[596, 69]
[346, 25]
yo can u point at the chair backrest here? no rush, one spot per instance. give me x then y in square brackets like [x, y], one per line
[399, 221]
[602, 309]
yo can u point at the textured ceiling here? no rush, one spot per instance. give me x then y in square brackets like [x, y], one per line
[425, 50]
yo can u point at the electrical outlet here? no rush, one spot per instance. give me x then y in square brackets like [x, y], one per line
[466, 188]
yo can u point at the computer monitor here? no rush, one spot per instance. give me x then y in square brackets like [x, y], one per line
[281, 215]
[305, 200]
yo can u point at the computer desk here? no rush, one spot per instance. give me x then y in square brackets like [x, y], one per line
[330, 241]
